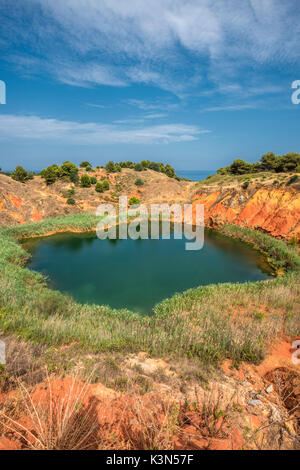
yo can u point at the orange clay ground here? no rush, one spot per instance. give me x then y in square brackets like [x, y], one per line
[253, 407]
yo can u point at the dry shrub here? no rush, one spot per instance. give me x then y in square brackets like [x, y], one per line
[207, 417]
[287, 385]
[150, 426]
[56, 422]
[23, 362]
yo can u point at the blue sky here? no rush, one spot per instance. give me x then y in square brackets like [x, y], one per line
[194, 83]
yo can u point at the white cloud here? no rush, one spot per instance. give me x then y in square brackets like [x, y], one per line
[155, 116]
[238, 107]
[92, 133]
[171, 44]
[96, 105]
[87, 75]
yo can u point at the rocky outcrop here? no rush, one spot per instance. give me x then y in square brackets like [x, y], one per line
[275, 211]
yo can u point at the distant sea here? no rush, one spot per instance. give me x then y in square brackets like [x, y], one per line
[195, 175]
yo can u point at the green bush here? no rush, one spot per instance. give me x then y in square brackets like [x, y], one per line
[19, 174]
[245, 184]
[145, 164]
[139, 182]
[105, 185]
[71, 201]
[85, 164]
[134, 201]
[74, 177]
[292, 180]
[85, 181]
[68, 168]
[99, 187]
[93, 180]
[169, 171]
[110, 167]
[67, 171]
[50, 174]
[138, 167]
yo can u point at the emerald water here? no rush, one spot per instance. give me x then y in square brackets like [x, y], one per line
[137, 274]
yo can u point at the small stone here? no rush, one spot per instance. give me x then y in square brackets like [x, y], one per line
[270, 389]
[246, 384]
[275, 414]
[255, 403]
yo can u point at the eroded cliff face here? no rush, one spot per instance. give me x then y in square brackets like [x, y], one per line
[34, 200]
[262, 206]
[275, 211]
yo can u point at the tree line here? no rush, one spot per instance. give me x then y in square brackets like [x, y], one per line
[288, 163]
[70, 171]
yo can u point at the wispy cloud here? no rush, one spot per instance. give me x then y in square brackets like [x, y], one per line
[152, 106]
[92, 133]
[238, 107]
[96, 105]
[155, 116]
[173, 45]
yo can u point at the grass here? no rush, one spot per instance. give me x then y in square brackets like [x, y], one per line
[211, 323]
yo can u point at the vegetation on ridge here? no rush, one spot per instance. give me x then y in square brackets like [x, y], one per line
[268, 162]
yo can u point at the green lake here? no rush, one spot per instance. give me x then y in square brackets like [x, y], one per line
[137, 274]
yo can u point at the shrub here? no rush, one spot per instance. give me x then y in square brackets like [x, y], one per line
[105, 185]
[110, 167]
[19, 174]
[71, 201]
[139, 182]
[74, 178]
[138, 167]
[145, 163]
[245, 184]
[56, 422]
[68, 168]
[134, 201]
[292, 180]
[93, 180]
[85, 164]
[50, 174]
[85, 181]
[99, 187]
[170, 172]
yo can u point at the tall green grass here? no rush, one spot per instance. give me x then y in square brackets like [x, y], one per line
[234, 321]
